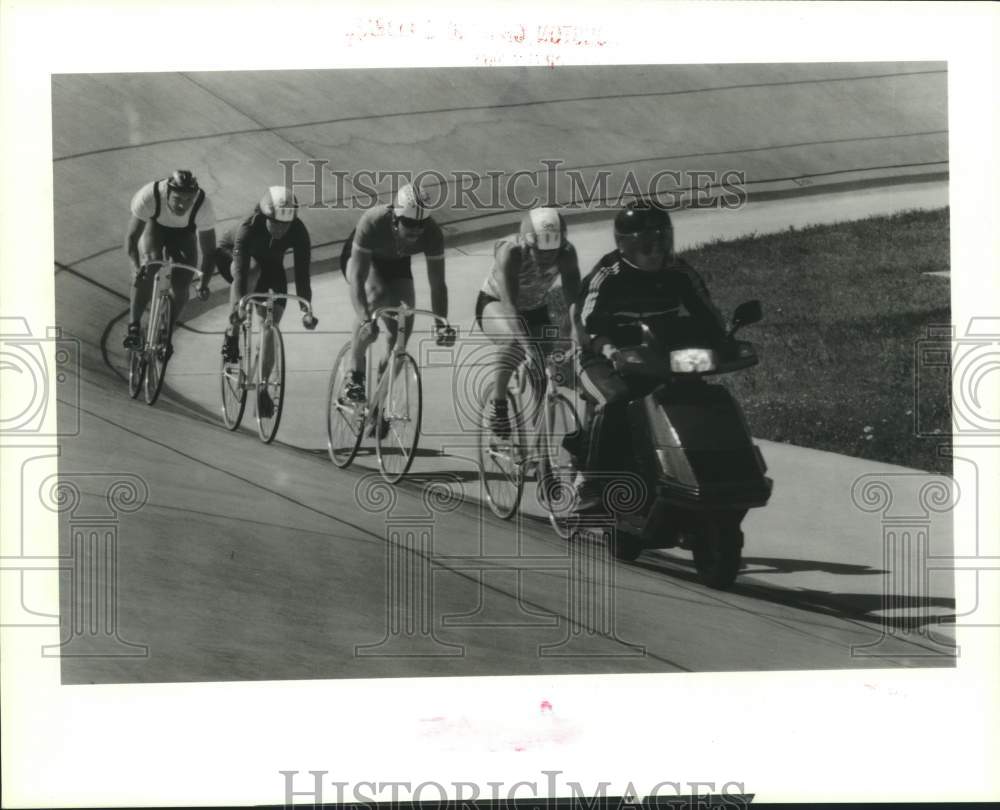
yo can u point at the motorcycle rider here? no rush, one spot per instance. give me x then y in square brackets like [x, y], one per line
[641, 278]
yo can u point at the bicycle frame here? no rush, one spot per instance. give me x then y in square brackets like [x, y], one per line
[384, 386]
[539, 381]
[267, 301]
[155, 301]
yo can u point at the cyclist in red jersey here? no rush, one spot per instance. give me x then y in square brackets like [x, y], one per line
[376, 263]
[166, 215]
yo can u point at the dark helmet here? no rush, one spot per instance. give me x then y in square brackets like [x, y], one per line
[641, 216]
[183, 181]
[644, 235]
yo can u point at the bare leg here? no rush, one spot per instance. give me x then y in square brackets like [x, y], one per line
[139, 295]
[180, 284]
[507, 332]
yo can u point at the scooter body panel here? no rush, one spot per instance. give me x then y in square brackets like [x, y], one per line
[692, 440]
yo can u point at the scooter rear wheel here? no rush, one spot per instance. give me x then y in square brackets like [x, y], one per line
[718, 549]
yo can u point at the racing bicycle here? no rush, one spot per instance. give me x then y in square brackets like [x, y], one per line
[148, 363]
[247, 373]
[392, 411]
[540, 418]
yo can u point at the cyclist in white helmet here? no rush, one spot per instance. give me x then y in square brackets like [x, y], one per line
[172, 217]
[511, 308]
[251, 256]
[376, 263]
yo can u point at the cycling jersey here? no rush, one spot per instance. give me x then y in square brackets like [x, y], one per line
[150, 205]
[533, 282]
[252, 240]
[377, 235]
[615, 290]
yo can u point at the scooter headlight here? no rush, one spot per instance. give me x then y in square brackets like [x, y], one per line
[690, 360]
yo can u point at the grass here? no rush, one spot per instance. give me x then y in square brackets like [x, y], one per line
[844, 308]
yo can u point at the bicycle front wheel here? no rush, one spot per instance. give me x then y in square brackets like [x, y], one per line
[501, 462]
[555, 483]
[234, 386]
[344, 420]
[271, 389]
[159, 350]
[136, 371]
[397, 420]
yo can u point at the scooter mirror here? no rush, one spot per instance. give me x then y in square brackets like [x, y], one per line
[747, 313]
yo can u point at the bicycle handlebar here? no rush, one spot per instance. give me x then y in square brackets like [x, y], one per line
[249, 298]
[397, 313]
[166, 264]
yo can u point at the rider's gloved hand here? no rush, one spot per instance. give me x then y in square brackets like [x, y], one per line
[613, 356]
[444, 333]
[308, 321]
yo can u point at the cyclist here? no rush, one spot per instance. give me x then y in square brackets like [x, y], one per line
[251, 258]
[166, 215]
[642, 278]
[376, 263]
[511, 308]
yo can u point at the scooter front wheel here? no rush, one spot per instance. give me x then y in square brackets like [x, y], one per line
[718, 549]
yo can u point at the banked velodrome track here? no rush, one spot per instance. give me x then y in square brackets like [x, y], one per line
[253, 562]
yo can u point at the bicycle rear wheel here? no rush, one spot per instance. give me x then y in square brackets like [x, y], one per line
[271, 387]
[397, 427]
[344, 421]
[555, 483]
[501, 462]
[234, 385]
[158, 351]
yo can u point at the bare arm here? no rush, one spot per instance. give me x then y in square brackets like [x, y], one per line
[439, 289]
[132, 234]
[206, 241]
[358, 267]
[507, 270]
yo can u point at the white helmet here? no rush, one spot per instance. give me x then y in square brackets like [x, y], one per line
[544, 229]
[279, 203]
[411, 203]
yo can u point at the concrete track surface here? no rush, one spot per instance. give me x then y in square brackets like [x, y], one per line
[251, 562]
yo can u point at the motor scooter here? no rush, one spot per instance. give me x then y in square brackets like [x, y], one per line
[695, 467]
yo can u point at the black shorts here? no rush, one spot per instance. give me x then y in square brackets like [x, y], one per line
[179, 244]
[387, 269]
[533, 319]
